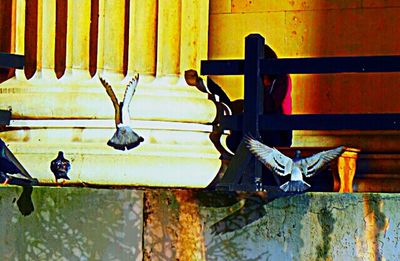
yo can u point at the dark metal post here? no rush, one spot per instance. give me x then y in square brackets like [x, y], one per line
[8, 60]
[253, 95]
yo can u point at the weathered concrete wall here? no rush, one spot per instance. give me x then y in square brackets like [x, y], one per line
[121, 224]
[311, 226]
[70, 224]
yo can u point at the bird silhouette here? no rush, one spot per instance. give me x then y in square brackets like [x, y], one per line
[297, 167]
[124, 137]
[11, 170]
[60, 167]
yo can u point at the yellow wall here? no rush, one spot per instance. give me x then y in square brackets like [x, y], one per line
[309, 29]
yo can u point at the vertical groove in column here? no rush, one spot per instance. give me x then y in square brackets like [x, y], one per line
[111, 36]
[194, 36]
[93, 36]
[6, 25]
[31, 36]
[168, 42]
[142, 37]
[126, 37]
[62, 12]
[100, 36]
[46, 39]
[78, 39]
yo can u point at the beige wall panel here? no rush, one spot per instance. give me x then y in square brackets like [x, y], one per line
[359, 32]
[381, 3]
[226, 40]
[220, 7]
[317, 33]
[285, 5]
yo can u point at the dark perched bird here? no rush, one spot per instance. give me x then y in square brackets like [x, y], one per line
[192, 78]
[223, 105]
[60, 167]
[124, 137]
[11, 170]
[296, 167]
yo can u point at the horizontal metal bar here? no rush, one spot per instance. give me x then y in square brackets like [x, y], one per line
[331, 122]
[234, 122]
[5, 117]
[320, 122]
[331, 65]
[8, 60]
[222, 67]
[307, 65]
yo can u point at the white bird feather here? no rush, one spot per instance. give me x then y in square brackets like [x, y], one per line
[283, 165]
[124, 137]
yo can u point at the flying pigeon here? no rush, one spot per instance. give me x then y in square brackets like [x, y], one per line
[124, 137]
[11, 170]
[296, 167]
[60, 167]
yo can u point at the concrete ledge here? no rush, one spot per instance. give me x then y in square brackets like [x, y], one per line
[262, 226]
[48, 223]
[45, 223]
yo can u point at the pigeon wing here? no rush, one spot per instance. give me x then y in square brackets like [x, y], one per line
[129, 92]
[313, 164]
[114, 100]
[270, 157]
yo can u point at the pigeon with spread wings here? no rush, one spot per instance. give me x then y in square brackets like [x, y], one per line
[124, 137]
[296, 167]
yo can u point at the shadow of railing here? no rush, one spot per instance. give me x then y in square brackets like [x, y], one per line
[252, 120]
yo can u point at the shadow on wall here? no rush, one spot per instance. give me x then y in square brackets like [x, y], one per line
[236, 225]
[70, 223]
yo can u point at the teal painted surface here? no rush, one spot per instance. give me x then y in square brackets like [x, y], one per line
[70, 224]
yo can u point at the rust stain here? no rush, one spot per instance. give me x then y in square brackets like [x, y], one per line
[191, 243]
[172, 226]
[375, 223]
[160, 226]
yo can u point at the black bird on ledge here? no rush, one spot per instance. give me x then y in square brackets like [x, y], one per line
[60, 167]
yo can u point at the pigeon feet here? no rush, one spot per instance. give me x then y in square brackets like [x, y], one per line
[6, 181]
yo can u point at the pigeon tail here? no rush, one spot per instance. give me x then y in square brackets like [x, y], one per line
[125, 137]
[295, 186]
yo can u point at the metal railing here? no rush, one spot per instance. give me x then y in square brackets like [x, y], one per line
[252, 120]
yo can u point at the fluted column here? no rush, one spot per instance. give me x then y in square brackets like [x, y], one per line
[76, 115]
[142, 37]
[194, 34]
[78, 32]
[168, 40]
[46, 29]
[111, 37]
